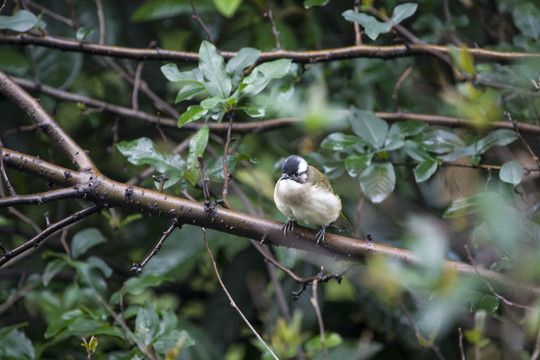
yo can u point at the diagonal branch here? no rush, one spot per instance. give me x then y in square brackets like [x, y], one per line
[41, 198]
[43, 120]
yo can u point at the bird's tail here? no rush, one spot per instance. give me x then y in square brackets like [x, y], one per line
[342, 224]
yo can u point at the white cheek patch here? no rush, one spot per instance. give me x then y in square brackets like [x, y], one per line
[302, 166]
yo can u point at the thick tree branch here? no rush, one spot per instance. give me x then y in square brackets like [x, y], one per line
[310, 56]
[42, 119]
[107, 192]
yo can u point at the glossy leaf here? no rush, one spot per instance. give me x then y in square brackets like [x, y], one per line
[498, 137]
[371, 25]
[440, 141]
[252, 110]
[214, 71]
[21, 21]
[378, 181]
[173, 74]
[197, 145]
[161, 9]
[368, 126]
[53, 267]
[245, 58]
[356, 162]
[84, 240]
[339, 141]
[310, 3]
[142, 151]
[425, 170]
[511, 172]
[82, 33]
[465, 206]
[187, 92]
[147, 324]
[193, 113]
[407, 128]
[262, 74]
[403, 11]
[136, 285]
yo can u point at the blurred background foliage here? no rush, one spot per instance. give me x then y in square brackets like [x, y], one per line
[428, 188]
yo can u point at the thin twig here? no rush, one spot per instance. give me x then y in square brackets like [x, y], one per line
[101, 20]
[518, 133]
[136, 85]
[12, 299]
[270, 17]
[199, 20]
[41, 198]
[4, 174]
[138, 267]
[126, 329]
[461, 349]
[357, 33]
[231, 300]
[398, 86]
[489, 286]
[315, 304]
[225, 165]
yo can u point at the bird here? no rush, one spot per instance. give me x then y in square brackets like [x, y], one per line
[304, 193]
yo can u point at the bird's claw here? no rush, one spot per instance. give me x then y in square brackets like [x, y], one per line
[321, 234]
[288, 226]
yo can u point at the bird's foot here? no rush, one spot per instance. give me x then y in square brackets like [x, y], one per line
[320, 235]
[289, 226]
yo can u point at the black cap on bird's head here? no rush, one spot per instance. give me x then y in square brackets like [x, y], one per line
[294, 167]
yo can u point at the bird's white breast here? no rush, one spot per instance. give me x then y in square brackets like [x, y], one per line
[307, 203]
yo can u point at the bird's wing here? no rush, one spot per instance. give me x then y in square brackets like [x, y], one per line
[342, 224]
[319, 179]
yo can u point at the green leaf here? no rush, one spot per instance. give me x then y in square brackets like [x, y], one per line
[227, 8]
[407, 128]
[53, 267]
[215, 170]
[339, 141]
[511, 172]
[21, 21]
[161, 9]
[58, 69]
[440, 141]
[193, 113]
[171, 73]
[403, 11]
[356, 162]
[424, 170]
[84, 240]
[136, 285]
[82, 33]
[15, 345]
[314, 344]
[527, 19]
[378, 181]
[197, 145]
[368, 126]
[372, 26]
[147, 323]
[143, 152]
[213, 102]
[463, 59]
[416, 152]
[252, 110]
[310, 3]
[479, 301]
[214, 71]
[187, 92]
[262, 74]
[500, 137]
[245, 58]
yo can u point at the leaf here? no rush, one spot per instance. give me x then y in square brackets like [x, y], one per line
[84, 240]
[499, 137]
[511, 172]
[227, 8]
[407, 128]
[310, 3]
[215, 170]
[339, 141]
[262, 74]
[15, 345]
[53, 267]
[368, 126]
[171, 73]
[440, 141]
[56, 69]
[82, 33]
[378, 181]
[479, 301]
[245, 58]
[21, 21]
[527, 19]
[403, 11]
[416, 152]
[356, 162]
[143, 152]
[197, 145]
[214, 71]
[463, 59]
[146, 323]
[161, 9]
[372, 26]
[193, 112]
[253, 111]
[424, 170]
[187, 92]
[136, 285]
